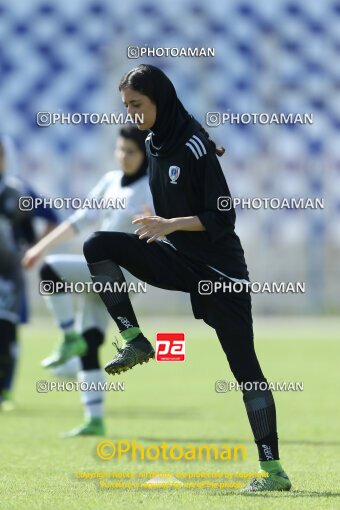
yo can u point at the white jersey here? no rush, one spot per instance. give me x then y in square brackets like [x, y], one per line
[136, 197]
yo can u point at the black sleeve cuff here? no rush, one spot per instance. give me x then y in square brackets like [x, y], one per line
[211, 221]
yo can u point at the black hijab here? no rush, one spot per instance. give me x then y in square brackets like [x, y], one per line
[173, 123]
[138, 137]
[127, 180]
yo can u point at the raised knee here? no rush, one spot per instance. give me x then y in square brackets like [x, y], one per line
[91, 247]
[47, 272]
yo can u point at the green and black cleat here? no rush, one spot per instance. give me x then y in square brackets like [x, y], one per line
[73, 344]
[137, 351]
[91, 427]
[273, 482]
[6, 401]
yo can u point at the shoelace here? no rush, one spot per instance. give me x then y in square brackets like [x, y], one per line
[116, 345]
[120, 350]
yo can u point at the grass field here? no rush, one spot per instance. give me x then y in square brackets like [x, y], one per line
[177, 404]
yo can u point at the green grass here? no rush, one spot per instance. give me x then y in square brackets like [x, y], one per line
[176, 403]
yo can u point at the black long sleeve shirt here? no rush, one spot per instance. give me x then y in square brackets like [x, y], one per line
[188, 183]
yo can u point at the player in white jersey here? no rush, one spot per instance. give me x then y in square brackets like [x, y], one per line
[78, 350]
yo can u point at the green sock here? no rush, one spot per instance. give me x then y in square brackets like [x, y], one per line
[271, 466]
[7, 395]
[130, 334]
[94, 419]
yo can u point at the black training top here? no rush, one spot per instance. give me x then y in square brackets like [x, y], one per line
[188, 182]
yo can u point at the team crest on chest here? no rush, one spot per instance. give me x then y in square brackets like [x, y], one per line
[174, 172]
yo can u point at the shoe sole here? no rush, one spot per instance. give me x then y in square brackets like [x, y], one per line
[282, 489]
[267, 490]
[66, 435]
[118, 370]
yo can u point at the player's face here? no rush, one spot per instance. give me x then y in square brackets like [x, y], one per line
[128, 155]
[138, 104]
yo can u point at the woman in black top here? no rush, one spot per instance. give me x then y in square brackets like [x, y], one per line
[201, 245]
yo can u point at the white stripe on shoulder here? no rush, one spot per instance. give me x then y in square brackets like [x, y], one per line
[198, 148]
[201, 143]
[148, 137]
[193, 150]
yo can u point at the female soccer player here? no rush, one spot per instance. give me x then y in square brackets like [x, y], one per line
[85, 338]
[17, 231]
[200, 244]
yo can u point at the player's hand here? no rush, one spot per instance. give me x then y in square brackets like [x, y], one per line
[145, 212]
[32, 257]
[154, 227]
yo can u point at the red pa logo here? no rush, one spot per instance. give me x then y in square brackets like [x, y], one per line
[170, 347]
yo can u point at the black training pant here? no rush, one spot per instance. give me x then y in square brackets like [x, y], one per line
[162, 266]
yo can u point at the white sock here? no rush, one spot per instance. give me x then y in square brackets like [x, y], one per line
[93, 400]
[69, 369]
[61, 306]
